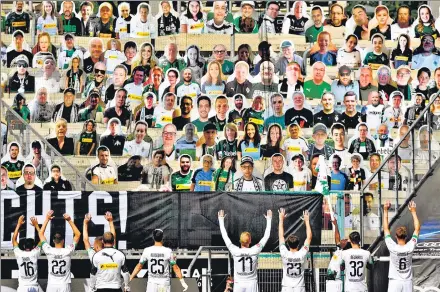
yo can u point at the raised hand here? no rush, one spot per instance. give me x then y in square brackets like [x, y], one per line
[282, 214]
[268, 215]
[49, 215]
[387, 205]
[34, 221]
[412, 207]
[66, 217]
[306, 215]
[87, 218]
[221, 214]
[108, 216]
[20, 220]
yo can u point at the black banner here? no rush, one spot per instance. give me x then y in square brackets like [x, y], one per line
[188, 219]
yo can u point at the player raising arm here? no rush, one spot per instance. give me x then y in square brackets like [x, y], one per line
[97, 244]
[27, 258]
[159, 260]
[356, 260]
[400, 271]
[245, 257]
[58, 257]
[293, 259]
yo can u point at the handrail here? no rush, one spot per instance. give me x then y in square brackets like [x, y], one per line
[43, 140]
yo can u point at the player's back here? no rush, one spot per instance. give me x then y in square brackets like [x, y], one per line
[400, 258]
[245, 262]
[59, 263]
[356, 261]
[335, 264]
[27, 262]
[159, 259]
[293, 266]
[108, 262]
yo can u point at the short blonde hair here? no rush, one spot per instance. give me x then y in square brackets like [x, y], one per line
[245, 237]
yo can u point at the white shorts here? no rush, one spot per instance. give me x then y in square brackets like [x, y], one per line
[333, 285]
[58, 288]
[293, 289]
[152, 287]
[28, 288]
[400, 286]
[251, 286]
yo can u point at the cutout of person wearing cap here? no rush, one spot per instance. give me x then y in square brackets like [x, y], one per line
[248, 182]
[377, 57]
[360, 143]
[287, 57]
[96, 48]
[245, 23]
[278, 180]
[61, 142]
[90, 107]
[327, 116]
[426, 55]
[256, 113]
[251, 143]
[221, 109]
[319, 146]
[87, 141]
[168, 22]
[18, 47]
[75, 76]
[317, 27]
[393, 115]
[373, 110]
[146, 112]
[67, 110]
[219, 23]
[240, 84]
[181, 179]
[425, 23]
[186, 106]
[298, 113]
[131, 171]
[17, 19]
[113, 138]
[277, 104]
[402, 54]
[21, 81]
[295, 143]
[315, 87]
[273, 141]
[13, 161]
[119, 111]
[203, 109]
[193, 19]
[104, 25]
[21, 107]
[344, 84]
[349, 55]
[71, 24]
[138, 146]
[268, 21]
[296, 19]
[350, 118]
[123, 22]
[224, 175]
[228, 147]
[56, 181]
[202, 179]
[403, 23]
[103, 172]
[48, 21]
[324, 50]
[50, 78]
[236, 114]
[207, 144]
[188, 87]
[302, 176]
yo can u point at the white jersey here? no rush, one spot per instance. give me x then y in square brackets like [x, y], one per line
[192, 90]
[301, 179]
[293, 266]
[59, 263]
[163, 116]
[194, 27]
[350, 59]
[107, 265]
[27, 262]
[106, 175]
[245, 259]
[139, 29]
[159, 259]
[112, 59]
[132, 148]
[401, 258]
[356, 261]
[396, 31]
[91, 252]
[373, 115]
[122, 28]
[335, 264]
[134, 96]
[293, 147]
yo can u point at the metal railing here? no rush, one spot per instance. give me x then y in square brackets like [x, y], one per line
[80, 182]
[415, 181]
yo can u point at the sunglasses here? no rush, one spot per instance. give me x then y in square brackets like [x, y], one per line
[22, 65]
[220, 52]
[345, 74]
[97, 71]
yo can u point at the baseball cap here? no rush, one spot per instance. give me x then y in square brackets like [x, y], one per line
[344, 69]
[209, 126]
[319, 127]
[251, 3]
[299, 155]
[238, 95]
[68, 36]
[69, 89]
[94, 94]
[264, 45]
[17, 33]
[286, 44]
[20, 59]
[246, 159]
[395, 94]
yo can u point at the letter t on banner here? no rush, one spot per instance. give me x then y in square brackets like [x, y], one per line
[93, 209]
[46, 197]
[69, 197]
[15, 202]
